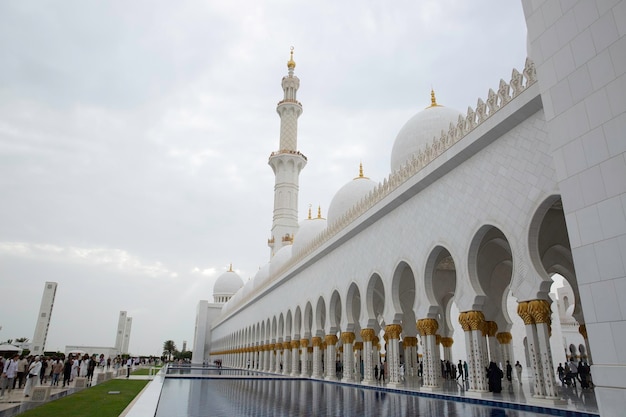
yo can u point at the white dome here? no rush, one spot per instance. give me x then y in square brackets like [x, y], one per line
[280, 259]
[307, 231]
[420, 131]
[262, 275]
[227, 284]
[247, 288]
[348, 196]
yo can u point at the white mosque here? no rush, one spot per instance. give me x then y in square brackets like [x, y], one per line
[452, 256]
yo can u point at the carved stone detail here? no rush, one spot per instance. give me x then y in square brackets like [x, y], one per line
[368, 335]
[347, 337]
[427, 327]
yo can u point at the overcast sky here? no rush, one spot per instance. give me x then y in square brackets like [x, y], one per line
[134, 138]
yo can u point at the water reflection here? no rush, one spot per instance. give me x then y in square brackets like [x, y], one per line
[276, 397]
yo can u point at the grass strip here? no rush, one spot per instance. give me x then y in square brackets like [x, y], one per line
[143, 371]
[94, 401]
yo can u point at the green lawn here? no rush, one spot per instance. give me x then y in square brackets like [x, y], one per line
[142, 371]
[94, 401]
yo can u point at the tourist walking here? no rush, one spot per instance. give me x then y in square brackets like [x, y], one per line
[465, 370]
[494, 375]
[67, 371]
[129, 365]
[34, 370]
[9, 372]
[518, 369]
[509, 372]
[460, 368]
[22, 367]
[57, 369]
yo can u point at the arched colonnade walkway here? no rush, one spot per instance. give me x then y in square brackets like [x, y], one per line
[352, 331]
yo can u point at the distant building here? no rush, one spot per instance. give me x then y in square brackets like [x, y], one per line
[122, 338]
[43, 319]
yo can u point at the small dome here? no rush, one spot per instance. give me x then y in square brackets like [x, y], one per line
[420, 131]
[227, 284]
[308, 229]
[348, 196]
[262, 275]
[280, 259]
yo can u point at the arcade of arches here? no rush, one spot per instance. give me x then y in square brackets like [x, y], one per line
[350, 328]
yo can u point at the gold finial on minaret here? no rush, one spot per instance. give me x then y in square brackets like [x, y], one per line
[319, 212]
[310, 205]
[291, 64]
[230, 268]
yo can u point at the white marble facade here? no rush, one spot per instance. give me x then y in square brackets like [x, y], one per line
[457, 246]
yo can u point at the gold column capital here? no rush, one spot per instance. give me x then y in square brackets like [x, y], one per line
[295, 344]
[286, 345]
[393, 331]
[331, 339]
[410, 341]
[491, 328]
[427, 327]
[447, 341]
[540, 311]
[358, 345]
[522, 311]
[347, 337]
[368, 335]
[316, 341]
[271, 346]
[304, 343]
[504, 338]
[582, 329]
[375, 341]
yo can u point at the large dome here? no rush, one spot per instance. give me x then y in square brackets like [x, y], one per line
[227, 284]
[420, 131]
[308, 229]
[348, 196]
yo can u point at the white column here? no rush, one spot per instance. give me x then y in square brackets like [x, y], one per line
[368, 356]
[348, 356]
[286, 358]
[331, 356]
[392, 334]
[472, 323]
[295, 357]
[317, 357]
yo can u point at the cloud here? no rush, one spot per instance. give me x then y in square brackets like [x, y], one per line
[113, 258]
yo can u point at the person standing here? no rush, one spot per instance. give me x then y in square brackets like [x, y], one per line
[460, 368]
[67, 371]
[129, 365]
[465, 370]
[22, 367]
[518, 369]
[9, 372]
[34, 370]
[57, 369]
[509, 372]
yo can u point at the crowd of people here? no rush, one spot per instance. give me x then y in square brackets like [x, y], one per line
[26, 372]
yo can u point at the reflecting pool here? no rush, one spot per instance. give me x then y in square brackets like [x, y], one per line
[232, 396]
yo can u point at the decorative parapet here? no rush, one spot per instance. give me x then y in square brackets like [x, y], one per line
[495, 101]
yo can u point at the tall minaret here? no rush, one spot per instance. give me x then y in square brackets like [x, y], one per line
[286, 163]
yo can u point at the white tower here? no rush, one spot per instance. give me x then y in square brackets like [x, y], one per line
[43, 319]
[286, 163]
[129, 324]
[119, 337]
